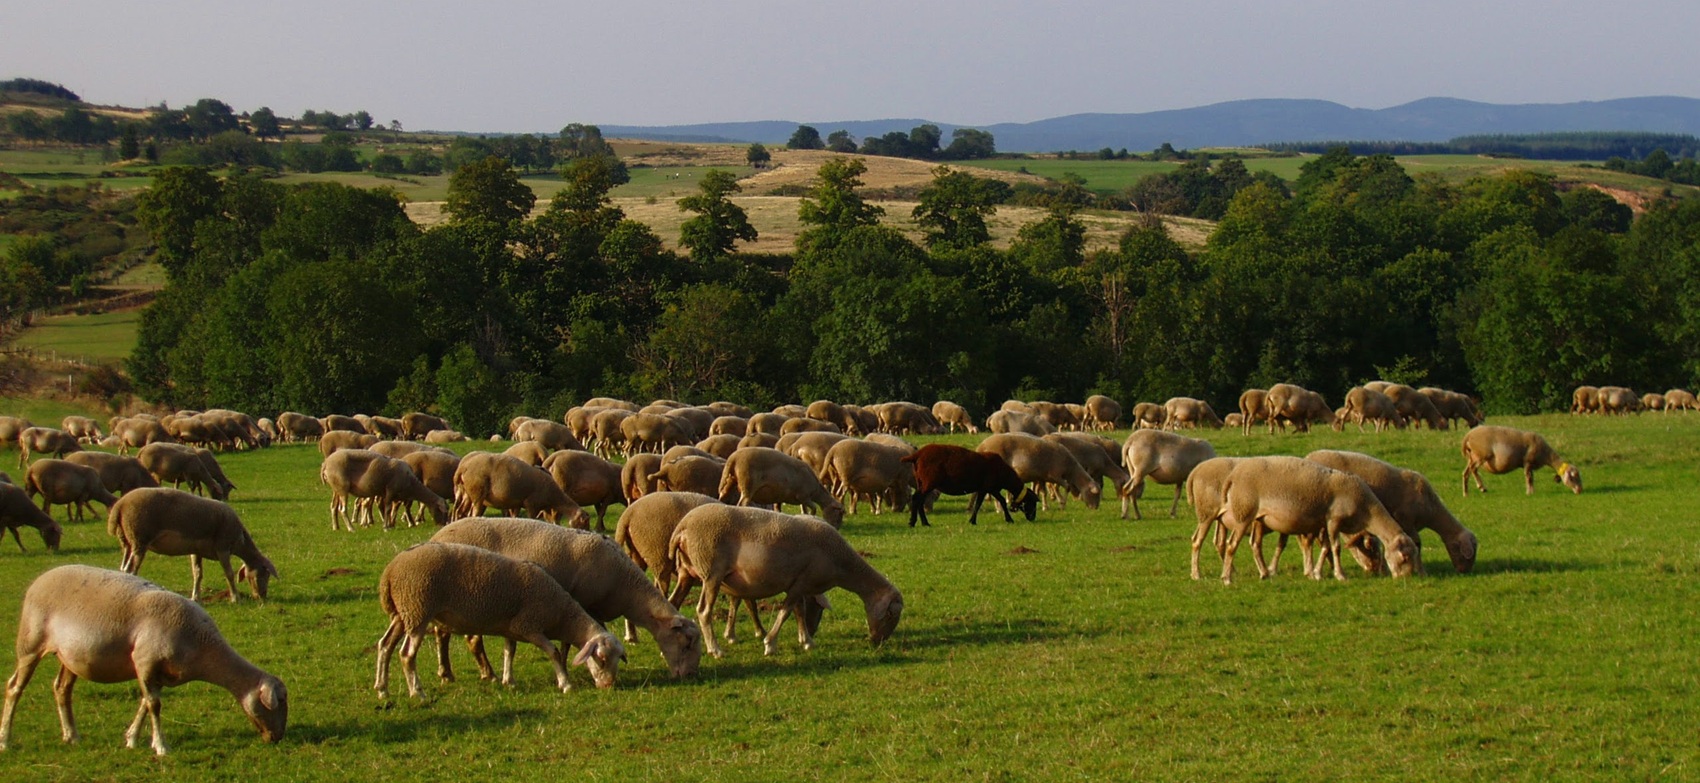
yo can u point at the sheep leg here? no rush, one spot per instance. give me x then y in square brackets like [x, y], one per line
[1228, 555]
[732, 621]
[705, 615]
[510, 648]
[386, 647]
[195, 581]
[150, 708]
[1198, 542]
[1280, 547]
[917, 509]
[15, 688]
[229, 577]
[557, 659]
[1331, 548]
[410, 659]
[770, 640]
[1263, 569]
[755, 616]
[445, 671]
[475, 645]
[1175, 507]
[16, 538]
[1528, 479]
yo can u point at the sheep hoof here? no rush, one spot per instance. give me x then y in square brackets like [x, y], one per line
[769, 649]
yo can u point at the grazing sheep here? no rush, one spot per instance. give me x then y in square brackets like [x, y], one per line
[16, 511]
[1367, 405]
[856, 469]
[1164, 457]
[468, 590]
[1099, 456]
[829, 412]
[108, 626]
[769, 476]
[1251, 408]
[635, 475]
[1206, 489]
[769, 423]
[611, 402]
[1412, 501]
[552, 436]
[135, 432]
[1503, 449]
[1453, 405]
[900, 418]
[386, 483]
[435, 469]
[751, 554]
[887, 439]
[1294, 496]
[1017, 406]
[66, 483]
[179, 464]
[337, 422]
[42, 440]
[720, 446]
[396, 449]
[485, 479]
[530, 452]
[1148, 414]
[440, 437]
[1005, 421]
[953, 470]
[299, 427]
[83, 428]
[383, 427]
[647, 524]
[1187, 412]
[1618, 400]
[1653, 401]
[808, 425]
[335, 440]
[416, 425]
[810, 447]
[1102, 413]
[729, 425]
[1681, 400]
[1233, 420]
[589, 480]
[1415, 406]
[693, 422]
[606, 434]
[690, 474]
[596, 573]
[117, 474]
[10, 428]
[648, 432]
[953, 417]
[758, 439]
[1040, 461]
[1286, 403]
[173, 522]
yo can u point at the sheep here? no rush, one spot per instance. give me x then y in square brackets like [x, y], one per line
[589, 480]
[1102, 413]
[887, 439]
[866, 421]
[16, 510]
[83, 428]
[635, 475]
[907, 417]
[1294, 496]
[860, 468]
[1206, 487]
[1164, 457]
[179, 464]
[334, 440]
[1003, 421]
[722, 408]
[953, 417]
[1585, 399]
[810, 447]
[550, 435]
[468, 590]
[1233, 420]
[213, 469]
[435, 469]
[269, 427]
[527, 451]
[654, 433]
[1503, 449]
[382, 481]
[605, 431]
[1099, 456]
[339, 423]
[136, 432]
[1148, 414]
[1453, 405]
[751, 554]
[729, 425]
[1415, 406]
[1652, 401]
[680, 452]
[720, 446]
[108, 626]
[67, 483]
[1017, 406]
[487, 479]
[299, 427]
[763, 476]
[1040, 461]
[808, 425]
[596, 573]
[416, 425]
[1412, 501]
[953, 470]
[173, 522]
[42, 440]
[440, 437]
[647, 524]
[118, 474]
[690, 474]
[769, 423]
[611, 402]
[10, 428]
[693, 422]
[1286, 403]
[1251, 408]
[758, 439]
[1188, 412]
[396, 449]
[1367, 405]
[829, 412]
[1681, 400]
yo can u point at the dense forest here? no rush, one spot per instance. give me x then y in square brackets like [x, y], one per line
[322, 297]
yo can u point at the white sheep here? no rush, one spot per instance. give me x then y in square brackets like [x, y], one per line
[1039, 461]
[1503, 449]
[108, 626]
[173, 522]
[468, 590]
[1164, 457]
[752, 553]
[768, 476]
[1412, 501]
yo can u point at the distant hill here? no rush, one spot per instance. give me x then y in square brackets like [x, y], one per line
[1247, 123]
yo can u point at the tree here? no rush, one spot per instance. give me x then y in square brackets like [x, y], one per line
[955, 206]
[209, 117]
[180, 198]
[264, 123]
[588, 182]
[719, 224]
[362, 119]
[584, 141]
[757, 155]
[970, 144]
[840, 141]
[488, 190]
[805, 138]
[833, 207]
[709, 342]
[129, 143]
[924, 140]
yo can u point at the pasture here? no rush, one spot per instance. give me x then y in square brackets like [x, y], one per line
[1074, 647]
[101, 337]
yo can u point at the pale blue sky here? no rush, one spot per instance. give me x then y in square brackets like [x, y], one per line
[517, 65]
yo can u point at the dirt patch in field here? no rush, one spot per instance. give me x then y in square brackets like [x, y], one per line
[792, 170]
[1023, 550]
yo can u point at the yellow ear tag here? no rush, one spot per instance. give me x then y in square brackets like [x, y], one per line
[1563, 467]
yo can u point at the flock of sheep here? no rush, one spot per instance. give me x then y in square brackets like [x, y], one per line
[701, 487]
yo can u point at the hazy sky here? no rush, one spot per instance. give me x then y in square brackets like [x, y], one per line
[513, 65]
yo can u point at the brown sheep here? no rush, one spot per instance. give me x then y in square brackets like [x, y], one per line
[68, 484]
[484, 479]
[172, 522]
[16, 511]
[591, 482]
[1503, 449]
[118, 474]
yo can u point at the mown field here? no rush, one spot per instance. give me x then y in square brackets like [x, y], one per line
[102, 337]
[1074, 647]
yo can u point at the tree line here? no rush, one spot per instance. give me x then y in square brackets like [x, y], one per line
[921, 142]
[322, 297]
[1575, 145]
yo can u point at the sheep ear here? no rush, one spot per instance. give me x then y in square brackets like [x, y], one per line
[268, 696]
[822, 600]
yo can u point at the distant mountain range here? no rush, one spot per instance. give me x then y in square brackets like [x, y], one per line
[1246, 123]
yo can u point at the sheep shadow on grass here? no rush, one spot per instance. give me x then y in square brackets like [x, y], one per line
[400, 731]
[1521, 565]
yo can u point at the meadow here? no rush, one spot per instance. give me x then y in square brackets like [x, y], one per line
[1073, 647]
[100, 337]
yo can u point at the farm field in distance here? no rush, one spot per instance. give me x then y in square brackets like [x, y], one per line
[1071, 647]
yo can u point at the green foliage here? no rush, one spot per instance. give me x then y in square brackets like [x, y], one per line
[179, 198]
[805, 138]
[488, 190]
[709, 343]
[38, 87]
[954, 207]
[833, 207]
[840, 141]
[757, 155]
[472, 394]
[588, 182]
[719, 224]
[263, 123]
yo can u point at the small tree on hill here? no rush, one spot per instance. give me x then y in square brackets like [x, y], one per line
[805, 138]
[719, 224]
[757, 155]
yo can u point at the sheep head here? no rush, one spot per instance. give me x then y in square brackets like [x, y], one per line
[883, 613]
[267, 707]
[681, 645]
[258, 577]
[1028, 501]
[1462, 549]
[833, 513]
[1401, 556]
[1569, 476]
[602, 656]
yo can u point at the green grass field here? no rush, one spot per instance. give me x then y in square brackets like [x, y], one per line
[106, 337]
[1073, 647]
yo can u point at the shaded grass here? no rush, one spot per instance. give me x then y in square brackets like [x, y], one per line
[101, 337]
[47, 413]
[1090, 656]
